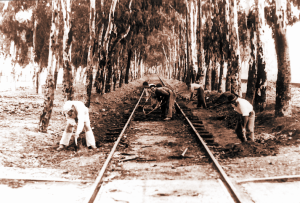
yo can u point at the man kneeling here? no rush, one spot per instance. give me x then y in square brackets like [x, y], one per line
[77, 114]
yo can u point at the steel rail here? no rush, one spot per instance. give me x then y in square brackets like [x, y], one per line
[97, 184]
[231, 189]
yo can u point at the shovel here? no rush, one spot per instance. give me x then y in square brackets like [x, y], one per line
[157, 106]
[181, 156]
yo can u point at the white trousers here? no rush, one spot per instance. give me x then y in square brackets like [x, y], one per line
[89, 136]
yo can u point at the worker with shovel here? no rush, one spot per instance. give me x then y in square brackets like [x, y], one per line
[165, 98]
[77, 114]
[246, 118]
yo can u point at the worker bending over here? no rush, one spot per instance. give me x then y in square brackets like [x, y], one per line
[246, 119]
[77, 114]
[166, 97]
[200, 94]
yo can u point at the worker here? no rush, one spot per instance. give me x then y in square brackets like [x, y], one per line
[246, 118]
[166, 97]
[77, 114]
[200, 94]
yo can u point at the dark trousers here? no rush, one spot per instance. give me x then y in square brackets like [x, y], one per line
[168, 104]
[201, 98]
[241, 130]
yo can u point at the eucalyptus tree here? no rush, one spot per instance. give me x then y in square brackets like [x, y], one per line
[208, 45]
[50, 85]
[201, 59]
[32, 33]
[68, 89]
[234, 51]
[278, 16]
[91, 53]
[224, 40]
[257, 76]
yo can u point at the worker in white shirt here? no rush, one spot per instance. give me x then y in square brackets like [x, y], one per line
[247, 115]
[200, 94]
[77, 114]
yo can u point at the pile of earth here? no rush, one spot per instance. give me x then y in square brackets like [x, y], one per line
[224, 111]
[249, 149]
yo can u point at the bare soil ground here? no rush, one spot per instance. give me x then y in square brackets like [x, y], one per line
[25, 152]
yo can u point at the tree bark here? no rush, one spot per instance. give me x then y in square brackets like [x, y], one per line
[106, 42]
[252, 73]
[214, 76]
[50, 86]
[56, 71]
[128, 66]
[57, 53]
[201, 59]
[37, 69]
[283, 89]
[68, 89]
[121, 78]
[193, 11]
[187, 70]
[261, 84]
[234, 50]
[208, 76]
[227, 51]
[90, 68]
[220, 85]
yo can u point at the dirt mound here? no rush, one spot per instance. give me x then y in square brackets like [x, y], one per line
[249, 149]
[224, 111]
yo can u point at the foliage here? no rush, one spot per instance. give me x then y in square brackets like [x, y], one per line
[16, 31]
[43, 16]
[270, 13]
[80, 32]
[21, 32]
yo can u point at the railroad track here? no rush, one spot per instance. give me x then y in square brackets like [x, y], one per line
[165, 161]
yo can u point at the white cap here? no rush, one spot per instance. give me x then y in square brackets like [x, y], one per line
[150, 85]
[68, 106]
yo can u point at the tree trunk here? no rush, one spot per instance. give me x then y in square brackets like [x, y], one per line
[223, 28]
[220, 86]
[193, 11]
[37, 69]
[226, 46]
[108, 78]
[50, 86]
[57, 53]
[234, 50]
[98, 82]
[128, 66]
[56, 71]
[104, 76]
[187, 70]
[252, 74]
[208, 76]
[89, 68]
[283, 89]
[38, 82]
[209, 49]
[200, 45]
[261, 84]
[214, 76]
[106, 42]
[67, 40]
